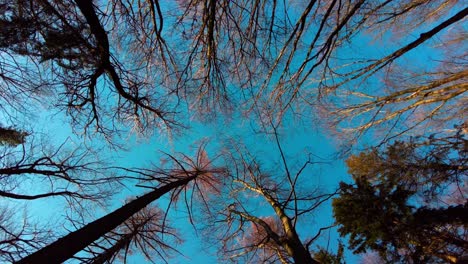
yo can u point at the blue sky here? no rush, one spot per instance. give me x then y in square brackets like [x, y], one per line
[299, 137]
[297, 141]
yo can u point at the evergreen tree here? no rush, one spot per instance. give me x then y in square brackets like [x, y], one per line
[11, 137]
[394, 206]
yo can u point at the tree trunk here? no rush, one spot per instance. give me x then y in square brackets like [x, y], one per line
[292, 243]
[300, 254]
[67, 246]
[112, 251]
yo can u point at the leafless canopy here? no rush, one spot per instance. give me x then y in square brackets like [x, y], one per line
[269, 235]
[139, 63]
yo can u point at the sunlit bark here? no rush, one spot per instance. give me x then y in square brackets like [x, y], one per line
[253, 238]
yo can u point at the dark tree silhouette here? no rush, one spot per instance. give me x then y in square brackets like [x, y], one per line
[75, 174]
[175, 180]
[144, 232]
[380, 211]
[19, 238]
[11, 137]
[81, 70]
[67, 246]
[323, 256]
[35, 171]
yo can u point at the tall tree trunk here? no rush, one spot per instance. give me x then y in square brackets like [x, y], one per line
[123, 242]
[67, 246]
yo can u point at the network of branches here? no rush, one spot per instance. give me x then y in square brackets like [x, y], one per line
[388, 72]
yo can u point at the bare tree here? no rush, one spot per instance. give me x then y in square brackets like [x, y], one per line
[18, 238]
[35, 171]
[147, 232]
[407, 103]
[141, 65]
[75, 174]
[172, 180]
[249, 235]
[113, 63]
[74, 58]
[294, 60]
[405, 99]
